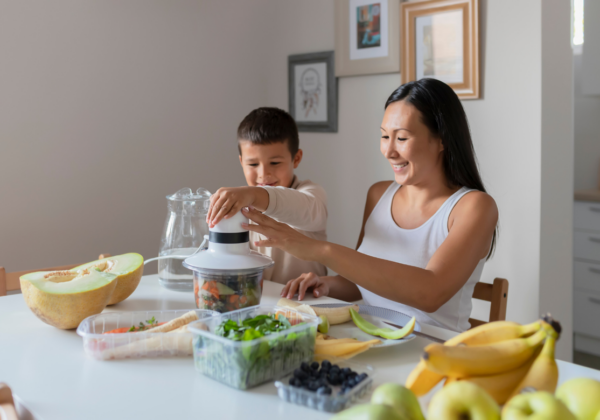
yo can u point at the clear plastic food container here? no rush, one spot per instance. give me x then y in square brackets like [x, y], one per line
[101, 346]
[227, 290]
[337, 400]
[244, 364]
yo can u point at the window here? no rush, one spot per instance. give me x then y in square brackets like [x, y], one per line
[577, 22]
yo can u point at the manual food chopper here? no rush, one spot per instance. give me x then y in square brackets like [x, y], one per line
[228, 275]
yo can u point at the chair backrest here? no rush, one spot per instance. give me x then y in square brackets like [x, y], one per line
[10, 281]
[497, 294]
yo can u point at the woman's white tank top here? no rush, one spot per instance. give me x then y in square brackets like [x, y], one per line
[386, 240]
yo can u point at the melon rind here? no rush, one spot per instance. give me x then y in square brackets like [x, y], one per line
[64, 308]
[129, 269]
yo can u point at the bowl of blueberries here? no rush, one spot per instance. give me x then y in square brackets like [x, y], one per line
[329, 386]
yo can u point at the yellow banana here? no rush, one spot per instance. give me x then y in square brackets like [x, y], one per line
[502, 385]
[494, 332]
[463, 361]
[421, 380]
[543, 375]
[334, 315]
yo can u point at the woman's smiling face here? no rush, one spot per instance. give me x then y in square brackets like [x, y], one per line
[412, 150]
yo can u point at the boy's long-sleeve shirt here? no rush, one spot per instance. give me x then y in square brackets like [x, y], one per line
[303, 206]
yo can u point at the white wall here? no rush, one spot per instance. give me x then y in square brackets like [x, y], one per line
[506, 128]
[587, 133]
[108, 106]
[556, 233]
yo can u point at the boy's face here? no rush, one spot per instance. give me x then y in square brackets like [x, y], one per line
[268, 164]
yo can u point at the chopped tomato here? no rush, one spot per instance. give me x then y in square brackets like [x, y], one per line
[128, 329]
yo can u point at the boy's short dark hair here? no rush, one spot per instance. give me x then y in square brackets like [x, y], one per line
[268, 126]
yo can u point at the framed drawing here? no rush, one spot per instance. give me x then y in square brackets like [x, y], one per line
[313, 91]
[367, 37]
[440, 39]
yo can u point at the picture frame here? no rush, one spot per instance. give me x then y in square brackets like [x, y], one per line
[367, 37]
[440, 39]
[313, 91]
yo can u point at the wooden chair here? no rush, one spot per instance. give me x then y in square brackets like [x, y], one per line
[496, 293]
[10, 281]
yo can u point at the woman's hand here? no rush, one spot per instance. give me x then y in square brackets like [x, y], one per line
[302, 284]
[282, 236]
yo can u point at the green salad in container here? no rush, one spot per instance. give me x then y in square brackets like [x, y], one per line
[248, 347]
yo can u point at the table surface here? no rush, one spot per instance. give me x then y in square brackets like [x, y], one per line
[48, 370]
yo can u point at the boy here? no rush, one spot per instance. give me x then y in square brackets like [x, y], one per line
[269, 153]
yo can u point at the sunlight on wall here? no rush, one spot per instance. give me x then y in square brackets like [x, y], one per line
[577, 22]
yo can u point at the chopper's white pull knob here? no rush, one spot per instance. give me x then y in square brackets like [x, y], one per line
[231, 225]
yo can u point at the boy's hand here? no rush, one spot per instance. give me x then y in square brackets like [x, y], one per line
[226, 202]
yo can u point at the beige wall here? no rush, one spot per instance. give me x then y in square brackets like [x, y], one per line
[108, 106]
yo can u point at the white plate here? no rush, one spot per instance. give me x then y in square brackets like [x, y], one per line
[376, 316]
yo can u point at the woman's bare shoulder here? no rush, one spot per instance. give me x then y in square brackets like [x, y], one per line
[477, 204]
[377, 190]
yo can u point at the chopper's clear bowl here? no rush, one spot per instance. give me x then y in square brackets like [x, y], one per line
[227, 290]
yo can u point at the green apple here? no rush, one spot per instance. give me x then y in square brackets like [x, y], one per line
[400, 398]
[539, 405]
[582, 397]
[463, 400]
[369, 412]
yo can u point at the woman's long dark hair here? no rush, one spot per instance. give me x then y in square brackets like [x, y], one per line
[445, 117]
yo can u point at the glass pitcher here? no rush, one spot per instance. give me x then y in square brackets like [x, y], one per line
[184, 232]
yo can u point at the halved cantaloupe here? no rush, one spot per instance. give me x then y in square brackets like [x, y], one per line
[65, 298]
[127, 267]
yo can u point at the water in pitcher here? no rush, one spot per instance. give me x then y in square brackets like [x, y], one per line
[172, 275]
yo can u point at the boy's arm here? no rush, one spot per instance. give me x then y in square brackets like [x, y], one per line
[304, 208]
[226, 202]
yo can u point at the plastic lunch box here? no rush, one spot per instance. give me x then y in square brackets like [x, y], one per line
[135, 345]
[244, 364]
[329, 403]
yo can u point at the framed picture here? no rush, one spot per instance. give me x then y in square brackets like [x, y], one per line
[440, 39]
[367, 37]
[313, 91]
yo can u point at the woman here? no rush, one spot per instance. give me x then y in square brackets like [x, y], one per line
[426, 235]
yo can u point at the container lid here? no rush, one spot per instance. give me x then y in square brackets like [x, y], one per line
[228, 249]
[214, 258]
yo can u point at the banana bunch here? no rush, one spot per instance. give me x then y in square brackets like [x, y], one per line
[501, 357]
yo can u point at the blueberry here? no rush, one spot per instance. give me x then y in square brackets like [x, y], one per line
[333, 379]
[346, 370]
[343, 376]
[314, 365]
[293, 381]
[335, 367]
[352, 375]
[304, 366]
[361, 377]
[351, 383]
[324, 390]
[326, 363]
[334, 370]
[300, 374]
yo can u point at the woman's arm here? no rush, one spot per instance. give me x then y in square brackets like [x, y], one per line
[336, 286]
[473, 221]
